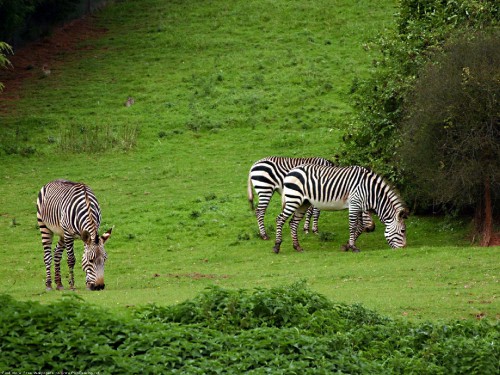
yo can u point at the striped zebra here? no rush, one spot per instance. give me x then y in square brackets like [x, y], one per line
[337, 188]
[71, 211]
[266, 176]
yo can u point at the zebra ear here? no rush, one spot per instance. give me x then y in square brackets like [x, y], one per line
[106, 235]
[86, 236]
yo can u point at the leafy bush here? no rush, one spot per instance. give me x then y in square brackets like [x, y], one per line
[280, 330]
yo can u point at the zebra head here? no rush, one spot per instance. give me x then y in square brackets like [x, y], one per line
[94, 257]
[395, 230]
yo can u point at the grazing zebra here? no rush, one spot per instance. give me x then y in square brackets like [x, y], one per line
[71, 211]
[266, 176]
[336, 188]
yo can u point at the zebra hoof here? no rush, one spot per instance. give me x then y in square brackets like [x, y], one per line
[298, 249]
[60, 287]
[276, 249]
[264, 237]
[48, 288]
[345, 247]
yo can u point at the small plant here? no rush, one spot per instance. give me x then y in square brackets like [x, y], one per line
[326, 236]
[195, 214]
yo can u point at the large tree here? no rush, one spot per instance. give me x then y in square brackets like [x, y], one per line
[451, 138]
[421, 29]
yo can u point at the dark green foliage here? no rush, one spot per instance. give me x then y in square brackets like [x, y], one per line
[5, 49]
[31, 18]
[282, 330]
[422, 28]
[452, 135]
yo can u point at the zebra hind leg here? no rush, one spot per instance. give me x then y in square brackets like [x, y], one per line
[260, 212]
[315, 214]
[280, 220]
[294, 224]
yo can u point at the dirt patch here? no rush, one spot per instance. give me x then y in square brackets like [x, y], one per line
[42, 56]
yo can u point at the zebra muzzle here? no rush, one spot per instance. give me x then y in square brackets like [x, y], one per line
[95, 286]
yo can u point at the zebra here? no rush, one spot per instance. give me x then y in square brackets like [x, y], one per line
[266, 176]
[335, 188]
[71, 211]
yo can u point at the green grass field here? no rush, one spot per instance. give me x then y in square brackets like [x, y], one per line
[217, 85]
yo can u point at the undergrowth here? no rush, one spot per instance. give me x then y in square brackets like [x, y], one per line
[280, 330]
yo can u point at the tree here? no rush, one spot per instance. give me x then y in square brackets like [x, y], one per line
[421, 29]
[451, 136]
[4, 49]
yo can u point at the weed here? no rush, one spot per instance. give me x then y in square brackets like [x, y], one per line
[326, 236]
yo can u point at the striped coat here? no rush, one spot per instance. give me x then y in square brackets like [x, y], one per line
[336, 188]
[71, 211]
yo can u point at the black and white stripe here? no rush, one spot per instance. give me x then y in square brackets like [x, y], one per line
[336, 188]
[71, 211]
[266, 176]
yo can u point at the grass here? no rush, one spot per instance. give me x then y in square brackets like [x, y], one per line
[216, 86]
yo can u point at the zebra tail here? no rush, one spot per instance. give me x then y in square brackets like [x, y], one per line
[250, 192]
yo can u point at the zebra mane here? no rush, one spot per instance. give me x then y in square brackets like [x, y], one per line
[91, 217]
[388, 188]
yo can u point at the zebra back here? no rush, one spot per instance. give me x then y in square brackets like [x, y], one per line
[362, 187]
[69, 208]
[270, 172]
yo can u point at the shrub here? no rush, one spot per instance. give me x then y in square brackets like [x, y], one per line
[280, 330]
[451, 139]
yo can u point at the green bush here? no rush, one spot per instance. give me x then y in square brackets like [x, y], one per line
[280, 330]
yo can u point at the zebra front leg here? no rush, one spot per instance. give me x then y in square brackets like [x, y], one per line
[355, 229]
[259, 213]
[307, 222]
[315, 214]
[57, 264]
[47, 258]
[47, 253]
[71, 262]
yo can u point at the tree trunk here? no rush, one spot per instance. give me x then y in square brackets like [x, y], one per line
[487, 221]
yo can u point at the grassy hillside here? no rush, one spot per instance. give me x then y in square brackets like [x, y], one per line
[217, 85]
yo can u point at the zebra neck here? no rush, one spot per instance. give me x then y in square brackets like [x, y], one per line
[385, 201]
[90, 224]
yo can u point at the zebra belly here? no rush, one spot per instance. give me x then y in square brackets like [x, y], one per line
[331, 205]
[55, 229]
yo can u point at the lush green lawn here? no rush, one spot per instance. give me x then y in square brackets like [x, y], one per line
[217, 86]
